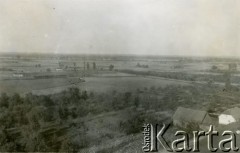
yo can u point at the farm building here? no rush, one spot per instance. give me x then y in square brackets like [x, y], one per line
[185, 116]
[59, 70]
[229, 116]
[22, 75]
[18, 75]
[42, 75]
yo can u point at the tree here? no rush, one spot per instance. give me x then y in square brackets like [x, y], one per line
[74, 64]
[136, 101]
[88, 66]
[47, 101]
[4, 100]
[133, 124]
[63, 112]
[33, 121]
[127, 97]
[75, 94]
[84, 95]
[94, 66]
[227, 77]
[214, 67]
[16, 99]
[111, 67]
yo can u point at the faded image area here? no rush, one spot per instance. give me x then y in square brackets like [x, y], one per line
[88, 75]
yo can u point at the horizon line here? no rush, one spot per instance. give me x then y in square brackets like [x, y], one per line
[117, 54]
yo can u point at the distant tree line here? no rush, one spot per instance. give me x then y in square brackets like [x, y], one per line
[185, 76]
[142, 65]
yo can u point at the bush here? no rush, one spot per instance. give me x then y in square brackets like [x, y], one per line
[133, 124]
[4, 100]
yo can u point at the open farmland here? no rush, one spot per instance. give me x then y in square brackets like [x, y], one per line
[56, 72]
[27, 86]
[116, 83]
[78, 103]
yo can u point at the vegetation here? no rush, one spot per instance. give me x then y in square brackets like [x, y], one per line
[191, 126]
[186, 76]
[48, 122]
[94, 66]
[135, 120]
[111, 67]
[142, 65]
[26, 122]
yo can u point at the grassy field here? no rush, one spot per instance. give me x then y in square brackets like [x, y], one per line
[105, 81]
[25, 86]
[96, 84]
[107, 84]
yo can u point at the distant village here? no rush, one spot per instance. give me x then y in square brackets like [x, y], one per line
[64, 69]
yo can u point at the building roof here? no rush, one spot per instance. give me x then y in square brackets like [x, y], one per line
[226, 119]
[189, 115]
[235, 112]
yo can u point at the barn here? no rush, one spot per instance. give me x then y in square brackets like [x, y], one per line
[229, 116]
[185, 116]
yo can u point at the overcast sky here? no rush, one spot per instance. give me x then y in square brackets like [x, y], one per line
[162, 27]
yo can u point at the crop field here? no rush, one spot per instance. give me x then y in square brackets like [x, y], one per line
[27, 86]
[97, 84]
[88, 101]
[126, 83]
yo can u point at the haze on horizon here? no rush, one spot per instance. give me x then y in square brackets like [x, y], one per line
[155, 27]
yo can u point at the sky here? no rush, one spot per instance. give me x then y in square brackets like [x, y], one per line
[149, 27]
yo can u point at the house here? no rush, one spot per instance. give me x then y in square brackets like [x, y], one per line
[229, 116]
[185, 116]
[18, 75]
[59, 70]
[226, 119]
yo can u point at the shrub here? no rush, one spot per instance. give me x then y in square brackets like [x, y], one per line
[133, 124]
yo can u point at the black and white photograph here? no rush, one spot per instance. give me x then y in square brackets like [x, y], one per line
[119, 76]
